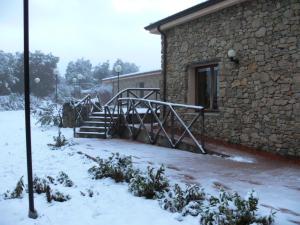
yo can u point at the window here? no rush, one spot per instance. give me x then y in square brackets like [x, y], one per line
[207, 86]
[141, 85]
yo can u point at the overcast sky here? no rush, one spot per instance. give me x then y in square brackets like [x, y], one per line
[94, 29]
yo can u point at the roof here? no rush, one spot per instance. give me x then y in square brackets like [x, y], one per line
[136, 74]
[192, 13]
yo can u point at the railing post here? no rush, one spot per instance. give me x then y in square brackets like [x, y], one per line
[203, 129]
[105, 122]
[151, 119]
[74, 123]
[172, 128]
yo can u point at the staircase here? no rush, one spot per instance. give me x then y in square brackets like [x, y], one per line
[94, 126]
[131, 116]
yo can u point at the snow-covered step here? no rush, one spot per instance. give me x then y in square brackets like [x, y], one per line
[102, 114]
[82, 134]
[91, 129]
[100, 118]
[95, 123]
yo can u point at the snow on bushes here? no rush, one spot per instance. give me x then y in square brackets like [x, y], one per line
[116, 167]
[43, 186]
[48, 114]
[188, 201]
[16, 102]
[150, 184]
[64, 179]
[231, 209]
[18, 191]
[59, 141]
[226, 209]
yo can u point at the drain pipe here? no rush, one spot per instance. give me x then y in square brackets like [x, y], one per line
[164, 66]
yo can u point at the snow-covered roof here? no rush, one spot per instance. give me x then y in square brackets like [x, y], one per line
[136, 74]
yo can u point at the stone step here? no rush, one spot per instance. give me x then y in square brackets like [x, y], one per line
[94, 123]
[81, 134]
[92, 129]
[101, 114]
[100, 118]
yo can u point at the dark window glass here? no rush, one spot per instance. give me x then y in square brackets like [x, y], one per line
[207, 86]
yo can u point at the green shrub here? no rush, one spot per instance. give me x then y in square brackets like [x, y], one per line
[43, 186]
[48, 114]
[57, 196]
[116, 167]
[231, 209]
[18, 191]
[188, 201]
[59, 141]
[64, 179]
[149, 185]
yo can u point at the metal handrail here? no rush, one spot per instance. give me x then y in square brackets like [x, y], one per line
[113, 106]
[151, 108]
[78, 107]
[130, 89]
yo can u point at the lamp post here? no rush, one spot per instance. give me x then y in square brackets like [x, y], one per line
[56, 83]
[118, 69]
[74, 80]
[32, 213]
[79, 78]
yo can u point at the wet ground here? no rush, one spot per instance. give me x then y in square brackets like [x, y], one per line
[275, 179]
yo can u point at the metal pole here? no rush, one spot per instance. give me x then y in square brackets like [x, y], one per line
[56, 88]
[32, 213]
[118, 82]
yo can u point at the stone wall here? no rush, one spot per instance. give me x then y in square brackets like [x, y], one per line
[259, 102]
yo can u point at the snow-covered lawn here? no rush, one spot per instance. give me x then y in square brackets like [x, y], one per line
[277, 187]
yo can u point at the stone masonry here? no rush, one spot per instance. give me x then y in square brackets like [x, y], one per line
[259, 102]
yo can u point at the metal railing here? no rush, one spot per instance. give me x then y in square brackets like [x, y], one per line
[112, 107]
[170, 123]
[82, 109]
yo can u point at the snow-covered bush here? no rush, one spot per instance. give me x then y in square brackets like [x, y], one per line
[231, 209]
[116, 167]
[48, 114]
[56, 196]
[64, 179]
[18, 191]
[89, 193]
[188, 201]
[149, 184]
[43, 186]
[59, 141]
[16, 102]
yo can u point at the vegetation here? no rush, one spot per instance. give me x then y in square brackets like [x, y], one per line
[17, 192]
[231, 209]
[150, 184]
[59, 141]
[116, 167]
[188, 201]
[44, 186]
[48, 114]
[226, 209]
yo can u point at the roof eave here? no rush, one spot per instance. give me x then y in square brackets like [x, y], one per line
[191, 14]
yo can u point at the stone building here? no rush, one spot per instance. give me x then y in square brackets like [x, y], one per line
[150, 79]
[241, 60]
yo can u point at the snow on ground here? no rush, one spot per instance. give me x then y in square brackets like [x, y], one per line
[278, 186]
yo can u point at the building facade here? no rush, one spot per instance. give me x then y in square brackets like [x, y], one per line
[251, 98]
[149, 79]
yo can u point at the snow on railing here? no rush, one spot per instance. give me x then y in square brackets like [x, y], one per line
[167, 120]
